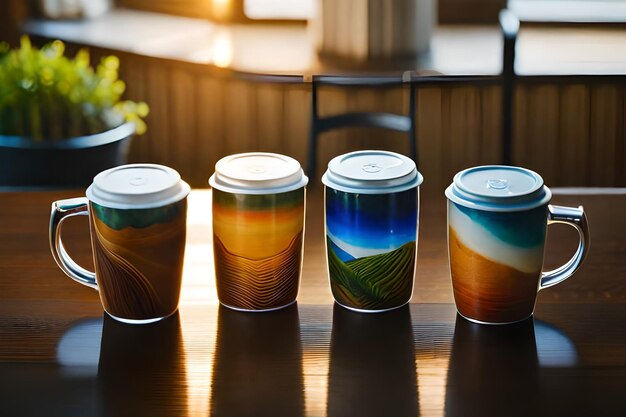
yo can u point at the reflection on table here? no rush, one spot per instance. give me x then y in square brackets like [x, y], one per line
[257, 367]
[139, 363]
[314, 360]
[372, 364]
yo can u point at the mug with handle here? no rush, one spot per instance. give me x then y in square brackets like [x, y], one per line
[137, 217]
[497, 224]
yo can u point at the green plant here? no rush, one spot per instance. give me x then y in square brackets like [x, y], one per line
[45, 95]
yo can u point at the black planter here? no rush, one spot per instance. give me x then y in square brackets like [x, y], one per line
[64, 162]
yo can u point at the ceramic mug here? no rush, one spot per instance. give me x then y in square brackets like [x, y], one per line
[497, 222]
[258, 230]
[371, 221]
[137, 217]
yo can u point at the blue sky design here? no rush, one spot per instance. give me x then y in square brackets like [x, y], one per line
[369, 224]
[341, 254]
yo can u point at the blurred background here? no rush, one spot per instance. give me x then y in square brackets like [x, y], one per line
[451, 83]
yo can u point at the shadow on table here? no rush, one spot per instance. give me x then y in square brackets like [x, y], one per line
[257, 369]
[372, 364]
[523, 369]
[141, 371]
[102, 368]
[64, 385]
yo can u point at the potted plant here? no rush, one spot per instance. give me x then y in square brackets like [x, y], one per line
[62, 121]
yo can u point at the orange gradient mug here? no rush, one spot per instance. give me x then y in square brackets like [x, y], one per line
[258, 230]
[497, 223]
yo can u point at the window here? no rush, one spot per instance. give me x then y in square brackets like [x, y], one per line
[279, 9]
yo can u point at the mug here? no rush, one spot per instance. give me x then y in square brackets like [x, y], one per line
[258, 230]
[497, 222]
[137, 217]
[371, 203]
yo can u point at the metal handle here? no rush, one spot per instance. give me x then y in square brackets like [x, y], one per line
[576, 218]
[62, 210]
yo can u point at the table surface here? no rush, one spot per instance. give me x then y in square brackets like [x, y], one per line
[289, 49]
[60, 355]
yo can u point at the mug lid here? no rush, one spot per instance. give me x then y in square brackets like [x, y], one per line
[372, 172]
[137, 186]
[498, 188]
[258, 173]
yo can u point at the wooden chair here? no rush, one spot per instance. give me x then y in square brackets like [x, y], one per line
[404, 123]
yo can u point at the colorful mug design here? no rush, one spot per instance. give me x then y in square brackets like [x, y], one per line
[371, 207]
[258, 230]
[257, 242]
[497, 222]
[371, 243]
[495, 261]
[137, 218]
[138, 256]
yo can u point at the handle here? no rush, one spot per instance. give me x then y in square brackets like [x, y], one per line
[576, 218]
[62, 210]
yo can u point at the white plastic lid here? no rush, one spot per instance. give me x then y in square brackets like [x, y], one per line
[498, 188]
[137, 186]
[258, 173]
[372, 172]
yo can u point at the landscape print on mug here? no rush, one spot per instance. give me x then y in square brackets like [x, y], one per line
[371, 245]
[495, 261]
[138, 255]
[257, 241]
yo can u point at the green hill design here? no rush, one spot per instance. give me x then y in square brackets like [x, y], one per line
[374, 282]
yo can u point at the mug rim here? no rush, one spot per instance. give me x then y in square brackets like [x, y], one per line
[499, 208]
[181, 195]
[115, 187]
[350, 179]
[288, 177]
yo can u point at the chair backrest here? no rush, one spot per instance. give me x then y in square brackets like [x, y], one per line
[404, 123]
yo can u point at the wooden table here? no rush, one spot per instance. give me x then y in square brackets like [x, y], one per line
[59, 355]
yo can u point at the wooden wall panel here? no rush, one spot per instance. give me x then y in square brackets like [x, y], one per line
[491, 120]
[183, 136]
[604, 131]
[240, 116]
[574, 135]
[536, 133]
[463, 140]
[621, 141]
[211, 132]
[270, 112]
[430, 129]
[570, 134]
[133, 77]
[155, 146]
[296, 121]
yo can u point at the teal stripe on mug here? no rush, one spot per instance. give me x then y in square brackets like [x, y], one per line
[524, 229]
[119, 219]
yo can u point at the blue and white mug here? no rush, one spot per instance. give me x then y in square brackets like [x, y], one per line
[371, 222]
